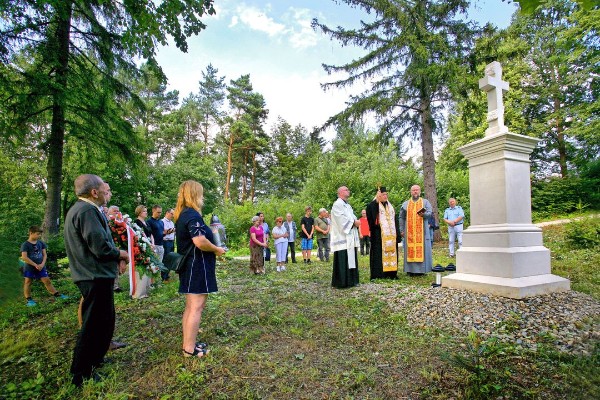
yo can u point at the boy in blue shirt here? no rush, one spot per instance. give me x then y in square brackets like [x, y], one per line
[33, 253]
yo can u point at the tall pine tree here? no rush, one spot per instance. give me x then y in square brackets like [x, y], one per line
[415, 51]
[108, 35]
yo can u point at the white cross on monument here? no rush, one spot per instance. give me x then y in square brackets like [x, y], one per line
[494, 86]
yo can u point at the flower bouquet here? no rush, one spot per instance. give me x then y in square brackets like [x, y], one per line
[140, 250]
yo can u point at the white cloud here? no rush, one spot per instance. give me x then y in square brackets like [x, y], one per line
[302, 34]
[234, 21]
[258, 20]
[299, 99]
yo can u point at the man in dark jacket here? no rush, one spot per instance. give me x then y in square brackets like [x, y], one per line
[93, 261]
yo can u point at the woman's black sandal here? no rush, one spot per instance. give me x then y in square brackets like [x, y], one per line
[196, 353]
[201, 345]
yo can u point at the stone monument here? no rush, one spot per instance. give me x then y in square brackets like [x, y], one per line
[502, 252]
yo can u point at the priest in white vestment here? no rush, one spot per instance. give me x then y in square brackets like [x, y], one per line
[344, 241]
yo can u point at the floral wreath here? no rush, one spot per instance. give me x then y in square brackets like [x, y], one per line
[145, 260]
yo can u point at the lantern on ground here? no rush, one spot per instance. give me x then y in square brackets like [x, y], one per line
[218, 230]
[438, 269]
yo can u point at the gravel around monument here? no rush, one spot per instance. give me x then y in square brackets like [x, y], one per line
[570, 321]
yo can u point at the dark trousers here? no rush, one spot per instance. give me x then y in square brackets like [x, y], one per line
[169, 246]
[291, 249]
[97, 328]
[365, 246]
[323, 252]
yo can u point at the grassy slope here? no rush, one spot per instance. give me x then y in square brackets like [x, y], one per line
[279, 336]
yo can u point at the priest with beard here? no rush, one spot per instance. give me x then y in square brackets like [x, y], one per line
[385, 236]
[413, 221]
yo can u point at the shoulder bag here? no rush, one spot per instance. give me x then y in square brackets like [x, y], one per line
[175, 261]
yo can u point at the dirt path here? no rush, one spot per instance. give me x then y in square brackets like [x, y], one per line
[565, 221]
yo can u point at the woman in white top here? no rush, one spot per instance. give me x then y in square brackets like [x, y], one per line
[280, 235]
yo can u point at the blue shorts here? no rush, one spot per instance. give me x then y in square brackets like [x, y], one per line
[307, 244]
[33, 273]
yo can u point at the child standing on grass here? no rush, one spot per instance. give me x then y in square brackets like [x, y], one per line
[33, 253]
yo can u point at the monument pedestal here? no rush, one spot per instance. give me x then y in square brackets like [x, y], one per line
[502, 252]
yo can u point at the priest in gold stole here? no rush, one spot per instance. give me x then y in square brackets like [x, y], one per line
[414, 215]
[385, 236]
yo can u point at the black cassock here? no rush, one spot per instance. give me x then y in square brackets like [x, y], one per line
[375, 260]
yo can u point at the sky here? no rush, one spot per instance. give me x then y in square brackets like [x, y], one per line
[274, 43]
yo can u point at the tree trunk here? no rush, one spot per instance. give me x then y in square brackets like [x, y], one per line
[429, 161]
[560, 138]
[229, 166]
[65, 206]
[245, 178]
[254, 168]
[205, 133]
[59, 46]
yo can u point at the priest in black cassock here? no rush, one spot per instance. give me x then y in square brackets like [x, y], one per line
[385, 236]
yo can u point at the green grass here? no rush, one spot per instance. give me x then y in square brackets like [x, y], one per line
[287, 335]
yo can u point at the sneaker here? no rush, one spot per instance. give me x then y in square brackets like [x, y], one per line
[114, 345]
[283, 267]
[117, 290]
[308, 261]
[31, 303]
[278, 268]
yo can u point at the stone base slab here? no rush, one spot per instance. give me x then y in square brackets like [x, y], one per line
[516, 288]
[511, 262]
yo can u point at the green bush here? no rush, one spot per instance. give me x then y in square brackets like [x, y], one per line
[454, 184]
[558, 196]
[56, 251]
[237, 217]
[584, 234]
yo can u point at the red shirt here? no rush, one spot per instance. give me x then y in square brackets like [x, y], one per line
[364, 226]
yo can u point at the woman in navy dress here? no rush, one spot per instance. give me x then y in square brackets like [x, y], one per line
[198, 278]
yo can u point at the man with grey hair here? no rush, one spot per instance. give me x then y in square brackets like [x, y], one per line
[344, 241]
[414, 216]
[112, 211]
[454, 216]
[94, 261]
[290, 226]
[322, 226]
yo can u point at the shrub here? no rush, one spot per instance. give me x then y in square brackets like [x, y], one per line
[557, 196]
[56, 251]
[583, 234]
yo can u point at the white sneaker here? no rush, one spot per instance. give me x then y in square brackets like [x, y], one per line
[278, 268]
[283, 267]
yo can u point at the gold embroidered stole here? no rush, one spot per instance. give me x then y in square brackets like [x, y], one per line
[415, 236]
[387, 222]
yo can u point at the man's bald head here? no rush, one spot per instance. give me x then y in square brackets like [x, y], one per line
[343, 193]
[415, 191]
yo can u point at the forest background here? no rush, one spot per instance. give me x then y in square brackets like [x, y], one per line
[77, 100]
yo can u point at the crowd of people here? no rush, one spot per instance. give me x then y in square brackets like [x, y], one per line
[101, 243]
[378, 233]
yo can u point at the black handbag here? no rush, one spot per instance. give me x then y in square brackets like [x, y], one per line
[176, 262]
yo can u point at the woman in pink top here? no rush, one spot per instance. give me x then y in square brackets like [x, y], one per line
[257, 243]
